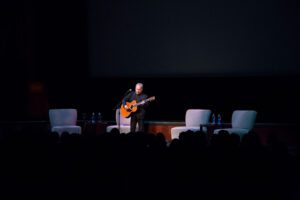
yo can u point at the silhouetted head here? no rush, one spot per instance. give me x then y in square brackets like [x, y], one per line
[115, 131]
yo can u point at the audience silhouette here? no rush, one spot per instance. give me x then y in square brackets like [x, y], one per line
[144, 165]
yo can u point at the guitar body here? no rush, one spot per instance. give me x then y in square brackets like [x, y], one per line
[127, 113]
[133, 107]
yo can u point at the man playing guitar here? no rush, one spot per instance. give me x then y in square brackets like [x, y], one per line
[137, 117]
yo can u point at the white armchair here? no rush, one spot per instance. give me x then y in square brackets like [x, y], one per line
[124, 124]
[193, 119]
[242, 121]
[64, 120]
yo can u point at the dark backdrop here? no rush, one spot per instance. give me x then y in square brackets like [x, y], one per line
[45, 62]
[193, 38]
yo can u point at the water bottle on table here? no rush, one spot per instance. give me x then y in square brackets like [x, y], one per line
[99, 117]
[93, 118]
[213, 118]
[219, 119]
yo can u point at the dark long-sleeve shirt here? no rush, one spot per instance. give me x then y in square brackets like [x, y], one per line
[133, 96]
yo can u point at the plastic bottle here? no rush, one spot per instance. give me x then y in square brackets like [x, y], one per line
[213, 118]
[99, 117]
[219, 119]
[93, 118]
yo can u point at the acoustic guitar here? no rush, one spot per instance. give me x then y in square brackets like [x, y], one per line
[133, 107]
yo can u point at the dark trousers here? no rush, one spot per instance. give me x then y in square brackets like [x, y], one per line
[137, 119]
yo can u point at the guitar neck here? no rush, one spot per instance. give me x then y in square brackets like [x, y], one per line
[139, 103]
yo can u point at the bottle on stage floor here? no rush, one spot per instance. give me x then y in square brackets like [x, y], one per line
[93, 118]
[213, 118]
[219, 119]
